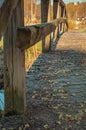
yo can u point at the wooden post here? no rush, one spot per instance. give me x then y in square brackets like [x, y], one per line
[45, 17]
[31, 15]
[61, 25]
[58, 16]
[55, 16]
[14, 75]
[55, 8]
[63, 15]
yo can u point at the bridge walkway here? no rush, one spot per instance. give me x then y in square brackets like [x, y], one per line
[56, 88]
[56, 85]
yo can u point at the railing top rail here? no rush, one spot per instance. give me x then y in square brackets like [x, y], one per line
[29, 35]
[6, 11]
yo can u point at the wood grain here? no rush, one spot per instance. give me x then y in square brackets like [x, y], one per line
[6, 12]
[30, 35]
[14, 58]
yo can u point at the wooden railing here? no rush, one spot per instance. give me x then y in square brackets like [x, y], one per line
[17, 38]
[30, 35]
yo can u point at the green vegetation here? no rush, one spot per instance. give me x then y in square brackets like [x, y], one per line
[71, 24]
[82, 30]
[31, 54]
[1, 47]
[76, 15]
[1, 43]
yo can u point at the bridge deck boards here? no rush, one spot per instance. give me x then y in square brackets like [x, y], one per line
[56, 85]
[56, 90]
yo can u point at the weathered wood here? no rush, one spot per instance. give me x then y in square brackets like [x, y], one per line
[45, 11]
[55, 8]
[11, 17]
[55, 16]
[31, 15]
[64, 16]
[14, 82]
[45, 17]
[59, 16]
[61, 2]
[61, 25]
[65, 28]
[6, 12]
[28, 36]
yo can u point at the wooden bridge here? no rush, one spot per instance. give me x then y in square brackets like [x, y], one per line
[17, 38]
[63, 70]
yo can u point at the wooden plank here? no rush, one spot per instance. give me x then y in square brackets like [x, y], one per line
[28, 36]
[15, 102]
[6, 12]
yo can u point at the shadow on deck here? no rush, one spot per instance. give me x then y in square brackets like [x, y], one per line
[56, 91]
